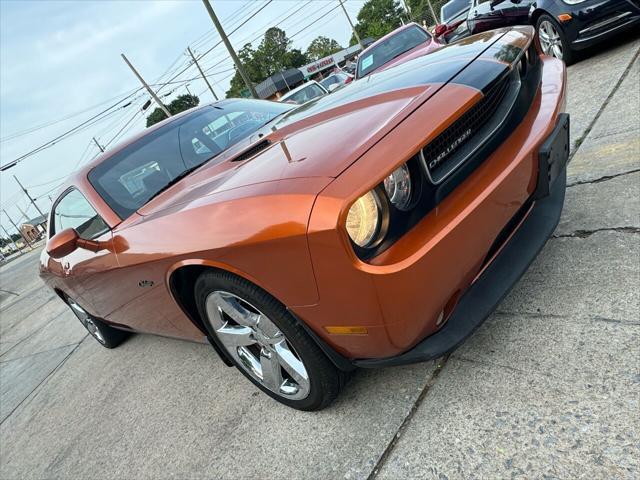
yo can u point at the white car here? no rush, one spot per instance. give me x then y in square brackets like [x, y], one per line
[336, 80]
[304, 93]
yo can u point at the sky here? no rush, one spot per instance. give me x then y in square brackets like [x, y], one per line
[60, 64]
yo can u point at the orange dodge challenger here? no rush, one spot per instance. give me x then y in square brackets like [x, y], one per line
[376, 226]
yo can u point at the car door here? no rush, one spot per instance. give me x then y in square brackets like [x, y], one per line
[80, 273]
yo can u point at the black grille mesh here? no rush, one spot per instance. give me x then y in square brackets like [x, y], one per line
[472, 120]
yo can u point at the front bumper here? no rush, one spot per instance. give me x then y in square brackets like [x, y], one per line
[510, 263]
[399, 296]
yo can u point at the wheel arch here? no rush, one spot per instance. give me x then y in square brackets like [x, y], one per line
[536, 14]
[181, 281]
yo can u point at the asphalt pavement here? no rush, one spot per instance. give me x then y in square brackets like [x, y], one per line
[549, 386]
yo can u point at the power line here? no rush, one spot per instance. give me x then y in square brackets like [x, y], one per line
[229, 34]
[67, 117]
[87, 123]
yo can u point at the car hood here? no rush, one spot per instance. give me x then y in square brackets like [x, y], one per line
[325, 136]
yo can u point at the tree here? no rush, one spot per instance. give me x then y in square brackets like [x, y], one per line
[177, 105]
[322, 47]
[272, 55]
[237, 85]
[377, 18]
[420, 11]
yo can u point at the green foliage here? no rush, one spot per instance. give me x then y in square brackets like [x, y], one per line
[322, 47]
[377, 18]
[420, 11]
[177, 105]
[4, 241]
[273, 55]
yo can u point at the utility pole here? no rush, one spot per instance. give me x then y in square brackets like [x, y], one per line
[406, 9]
[24, 214]
[193, 57]
[18, 230]
[29, 196]
[99, 146]
[351, 23]
[15, 245]
[227, 43]
[144, 84]
[433, 13]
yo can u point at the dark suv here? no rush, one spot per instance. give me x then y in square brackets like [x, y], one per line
[563, 26]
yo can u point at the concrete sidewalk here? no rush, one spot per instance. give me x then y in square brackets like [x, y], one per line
[549, 386]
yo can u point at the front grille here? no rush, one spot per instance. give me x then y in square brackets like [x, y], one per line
[441, 150]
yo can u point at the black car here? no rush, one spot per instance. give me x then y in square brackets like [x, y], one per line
[563, 26]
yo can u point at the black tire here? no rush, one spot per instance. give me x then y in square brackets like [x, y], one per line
[568, 55]
[104, 334]
[326, 381]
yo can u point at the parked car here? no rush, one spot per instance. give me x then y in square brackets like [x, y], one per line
[454, 10]
[563, 26]
[305, 92]
[372, 227]
[403, 44]
[336, 80]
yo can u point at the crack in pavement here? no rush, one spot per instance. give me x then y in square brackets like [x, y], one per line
[2, 362]
[602, 179]
[579, 141]
[557, 316]
[440, 364]
[27, 398]
[588, 233]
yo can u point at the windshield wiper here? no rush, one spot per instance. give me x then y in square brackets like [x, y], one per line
[174, 180]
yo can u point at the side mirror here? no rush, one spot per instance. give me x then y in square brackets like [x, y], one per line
[63, 243]
[439, 30]
[67, 241]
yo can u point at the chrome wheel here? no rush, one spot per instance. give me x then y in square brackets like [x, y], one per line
[550, 40]
[257, 345]
[87, 321]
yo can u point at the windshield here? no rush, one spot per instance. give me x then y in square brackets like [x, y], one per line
[452, 9]
[134, 175]
[392, 47]
[303, 96]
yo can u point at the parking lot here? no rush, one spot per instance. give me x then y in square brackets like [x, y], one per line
[549, 387]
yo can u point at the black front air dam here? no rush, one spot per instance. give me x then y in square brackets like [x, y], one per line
[481, 299]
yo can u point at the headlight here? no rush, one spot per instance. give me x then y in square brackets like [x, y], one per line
[398, 188]
[364, 220]
[573, 2]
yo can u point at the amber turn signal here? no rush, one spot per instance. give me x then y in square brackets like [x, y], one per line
[564, 17]
[346, 330]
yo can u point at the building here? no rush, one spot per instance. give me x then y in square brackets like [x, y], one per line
[274, 86]
[324, 66]
[33, 229]
[278, 84]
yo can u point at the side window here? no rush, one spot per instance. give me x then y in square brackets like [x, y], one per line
[74, 211]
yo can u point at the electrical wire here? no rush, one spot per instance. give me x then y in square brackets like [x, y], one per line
[72, 115]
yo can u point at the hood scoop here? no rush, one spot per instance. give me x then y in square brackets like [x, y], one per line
[257, 148]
